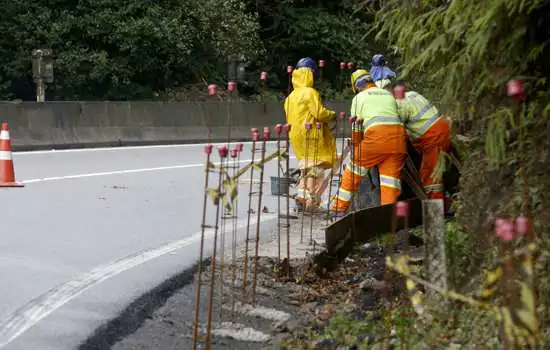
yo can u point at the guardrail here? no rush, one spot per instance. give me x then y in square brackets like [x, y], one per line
[81, 124]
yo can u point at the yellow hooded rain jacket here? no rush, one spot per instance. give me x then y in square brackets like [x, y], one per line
[304, 105]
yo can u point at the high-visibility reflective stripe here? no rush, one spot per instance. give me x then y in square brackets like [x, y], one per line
[417, 131]
[434, 188]
[4, 135]
[344, 195]
[374, 121]
[420, 114]
[5, 155]
[357, 170]
[389, 181]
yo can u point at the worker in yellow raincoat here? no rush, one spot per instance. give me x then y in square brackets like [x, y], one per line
[430, 134]
[315, 149]
[383, 144]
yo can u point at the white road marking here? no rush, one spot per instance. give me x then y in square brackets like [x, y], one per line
[30, 314]
[127, 148]
[127, 171]
[118, 172]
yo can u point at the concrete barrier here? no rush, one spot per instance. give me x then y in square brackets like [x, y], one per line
[106, 124]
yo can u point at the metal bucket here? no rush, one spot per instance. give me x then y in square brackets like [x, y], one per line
[279, 186]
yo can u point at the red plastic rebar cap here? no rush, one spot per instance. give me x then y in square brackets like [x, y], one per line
[231, 86]
[212, 89]
[279, 129]
[321, 63]
[402, 209]
[208, 149]
[342, 115]
[240, 147]
[514, 87]
[287, 127]
[289, 69]
[350, 65]
[267, 133]
[263, 76]
[352, 119]
[342, 65]
[522, 225]
[255, 134]
[223, 151]
[504, 230]
[234, 152]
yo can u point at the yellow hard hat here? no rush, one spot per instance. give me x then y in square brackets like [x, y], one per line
[360, 73]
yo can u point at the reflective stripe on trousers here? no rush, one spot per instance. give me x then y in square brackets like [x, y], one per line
[389, 166]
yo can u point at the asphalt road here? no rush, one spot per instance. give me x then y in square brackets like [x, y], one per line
[94, 229]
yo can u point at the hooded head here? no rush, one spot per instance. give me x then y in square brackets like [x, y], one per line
[308, 62]
[379, 69]
[303, 77]
[361, 80]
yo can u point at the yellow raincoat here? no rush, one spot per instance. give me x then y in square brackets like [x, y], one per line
[304, 105]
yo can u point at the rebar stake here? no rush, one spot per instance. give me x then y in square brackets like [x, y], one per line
[255, 138]
[223, 154]
[208, 152]
[235, 216]
[278, 131]
[287, 128]
[344, 149]
[266, 136]
[318, 126]
[305, 175]
[401, 210]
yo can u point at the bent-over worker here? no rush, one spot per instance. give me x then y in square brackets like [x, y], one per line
[429, 133]
[383, 143]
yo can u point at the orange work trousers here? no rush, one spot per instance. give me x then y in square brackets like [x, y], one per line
[385, 148]
[430, 145]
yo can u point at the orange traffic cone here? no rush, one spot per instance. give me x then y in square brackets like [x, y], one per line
[7, 174]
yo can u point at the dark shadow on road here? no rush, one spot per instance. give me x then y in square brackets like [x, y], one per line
[142, 308]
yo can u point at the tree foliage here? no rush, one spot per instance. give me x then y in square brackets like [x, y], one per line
[121, 49]
[136, 49]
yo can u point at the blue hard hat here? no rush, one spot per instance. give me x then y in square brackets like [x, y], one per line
[307, 62]
[378, 60]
